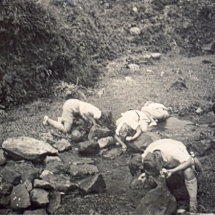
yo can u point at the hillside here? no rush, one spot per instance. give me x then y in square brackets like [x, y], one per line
[74, 40]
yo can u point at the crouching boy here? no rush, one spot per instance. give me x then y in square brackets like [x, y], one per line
[73, 108]
[167, 156]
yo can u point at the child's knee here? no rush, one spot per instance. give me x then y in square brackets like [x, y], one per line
[189, 174]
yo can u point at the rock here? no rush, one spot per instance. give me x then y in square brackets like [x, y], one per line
[76, 135]
[97, 133]
[28, 148]
[60, 183]
[136, 191]
[156, 56]
[62, 145]
[47, 137]
[3, 160]
[82, 171]
[142, 142]
[133, 67]
[5, 188]
[88, 148]
[178, 85]
[5, 200]
[54, 202]
[134, 31]
[27, 170]
[135, 9]
[202, 147]
[39, 197]
[199, 110]
[51, 159]
[71, 157]
[35, 212]
[92, 184]
[28, 185]
[19, 197]
[57, 167]
[111, 154]
[106, 142]
[42, 184]
[158, 201]
[10, 176]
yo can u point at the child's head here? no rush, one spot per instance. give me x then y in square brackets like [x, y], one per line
[153, 163]
[106, 119]
[125, 131]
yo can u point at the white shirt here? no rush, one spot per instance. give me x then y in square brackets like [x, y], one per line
[173, 152]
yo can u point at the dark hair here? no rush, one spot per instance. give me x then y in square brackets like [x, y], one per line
[153, 163]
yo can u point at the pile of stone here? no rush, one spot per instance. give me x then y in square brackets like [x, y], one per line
[36, 174]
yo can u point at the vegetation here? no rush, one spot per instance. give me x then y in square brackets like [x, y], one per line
[44, 41]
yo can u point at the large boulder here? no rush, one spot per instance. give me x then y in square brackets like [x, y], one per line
[158, 201]
[27, 148]
[142, 142]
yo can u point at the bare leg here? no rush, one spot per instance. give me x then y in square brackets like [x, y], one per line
[65, 128]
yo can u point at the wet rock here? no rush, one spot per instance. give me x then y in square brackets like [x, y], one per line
[142, 142]
[5, 188]
[202, 147]
[35, 212]
[28, 148]
[60, 183]
[82, 171]
[10, 175]
[47, 137]
[57, 167]
[39, 197]
[3, 160]
[20, 197]
[92, 184]
[51, 159]
[134, 31]
[106, 142]
[72, 157]
[97, 133]
[111, 154]
[42, 184]
[88, 148]
[27, 170]
[54, 202]
[62, 145]
[158, 201]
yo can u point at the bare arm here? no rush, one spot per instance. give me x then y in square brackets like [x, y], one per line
[181, 166]
[120, 141]
[136, 135]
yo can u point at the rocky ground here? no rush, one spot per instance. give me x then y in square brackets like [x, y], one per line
[118, 91]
